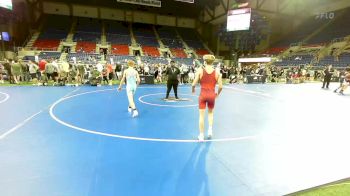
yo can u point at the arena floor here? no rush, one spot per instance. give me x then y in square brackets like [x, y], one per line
[271, 139]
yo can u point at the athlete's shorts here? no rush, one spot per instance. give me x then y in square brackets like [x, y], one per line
[207, 98]
[131, 89]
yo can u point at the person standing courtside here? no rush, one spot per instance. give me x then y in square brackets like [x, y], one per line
[173, 80]
[327, 76]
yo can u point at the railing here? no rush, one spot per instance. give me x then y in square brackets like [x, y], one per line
[336, 40]
[37, 49]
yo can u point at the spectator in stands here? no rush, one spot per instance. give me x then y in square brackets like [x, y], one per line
[16, 71]
[1, 73]
[328, 72]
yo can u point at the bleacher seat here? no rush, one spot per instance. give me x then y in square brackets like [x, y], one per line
[202, 52]
[48, 44]
[150, 51]
[54, 30]
[154, 60]
[120, 49]
[86, 47]
[178, 52]
[295, 60]
[120, 58]
[186, 61]
[84, 57]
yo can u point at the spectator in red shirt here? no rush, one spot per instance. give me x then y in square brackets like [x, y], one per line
[42, 65]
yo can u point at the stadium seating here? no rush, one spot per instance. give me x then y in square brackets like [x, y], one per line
[202, 52]
[50, 55]
[154, 60]
[150, 51]
[84, 57]
[87, 47]
[120, 49]
[117, 28]
[172, 43]
[117, 33]
[88, 25]
[191, 37]
[47, 44]
[87, 37]
[54, 30]
[295, 60]
[120, 58]
[144, 35]
[186, 61]
[44, 55]
[118, 39]
[178, 52]
[87, 30]
[342, 61]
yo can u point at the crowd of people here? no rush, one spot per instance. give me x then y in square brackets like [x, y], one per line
[51, 71]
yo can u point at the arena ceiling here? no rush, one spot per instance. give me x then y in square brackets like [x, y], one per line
[169, 7]
[271, 8]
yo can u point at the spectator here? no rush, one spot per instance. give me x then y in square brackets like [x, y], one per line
[33, 69]
[1, 73]
[16, 71]
[8, 69]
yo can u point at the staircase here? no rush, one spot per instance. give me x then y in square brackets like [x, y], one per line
[133, 40]
[183, 42]
[70, 35]
[33, 39]
[74, 47]
[63, 57]
[345, 45]
[188, 50]
[60, 47]
[103, 35]
[161, 45]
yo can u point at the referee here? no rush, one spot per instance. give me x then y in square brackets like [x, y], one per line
[173, 81]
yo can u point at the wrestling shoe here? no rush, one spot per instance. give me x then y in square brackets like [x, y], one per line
[210, 133]
[135, 114]
[201, 138]
[129, 109]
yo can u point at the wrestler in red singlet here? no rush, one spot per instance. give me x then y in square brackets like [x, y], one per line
[207, 95]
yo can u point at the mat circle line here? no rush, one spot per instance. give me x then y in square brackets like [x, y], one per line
[166, 105]
[80, 129]
[7, 96]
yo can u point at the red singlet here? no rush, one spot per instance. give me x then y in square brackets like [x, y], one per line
[207, 95]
